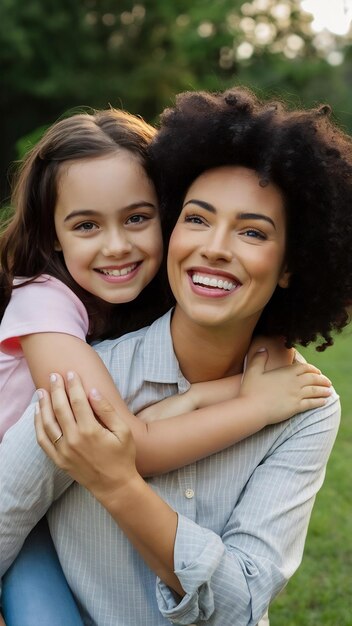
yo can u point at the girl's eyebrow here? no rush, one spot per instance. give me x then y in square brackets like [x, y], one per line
[90, 212]
[80, 213]
[240, 216]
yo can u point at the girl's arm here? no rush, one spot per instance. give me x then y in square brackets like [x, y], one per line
[164, 445]
[206, 394]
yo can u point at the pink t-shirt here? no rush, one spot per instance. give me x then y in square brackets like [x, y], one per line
[45, 305]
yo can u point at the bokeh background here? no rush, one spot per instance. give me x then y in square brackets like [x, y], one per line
[56, 55]
[61, 56]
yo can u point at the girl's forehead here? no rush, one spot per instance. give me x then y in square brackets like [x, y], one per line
[118, 156]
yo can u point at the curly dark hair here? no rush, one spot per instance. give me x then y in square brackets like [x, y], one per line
[309, 158]
[27, 243]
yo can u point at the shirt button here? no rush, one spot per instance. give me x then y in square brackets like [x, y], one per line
[189, 493]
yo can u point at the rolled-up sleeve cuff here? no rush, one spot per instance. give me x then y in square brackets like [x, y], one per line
[198, 552]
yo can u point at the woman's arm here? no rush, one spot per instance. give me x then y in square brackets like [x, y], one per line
[112, 477]
[169, 444]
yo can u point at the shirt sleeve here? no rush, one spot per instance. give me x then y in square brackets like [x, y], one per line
[45, 305]
[232, 578]
[29, 484]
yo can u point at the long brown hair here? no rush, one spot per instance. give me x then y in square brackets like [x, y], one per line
[27, 245]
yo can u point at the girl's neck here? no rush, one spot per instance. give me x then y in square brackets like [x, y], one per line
[208, 353]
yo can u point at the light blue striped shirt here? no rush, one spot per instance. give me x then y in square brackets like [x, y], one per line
[243, 513]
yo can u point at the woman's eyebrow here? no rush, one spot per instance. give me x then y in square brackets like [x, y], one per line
[256, 216]
[202, 204]
[240, 216]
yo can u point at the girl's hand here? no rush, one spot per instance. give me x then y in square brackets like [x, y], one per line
[283, 392]
[97, 453]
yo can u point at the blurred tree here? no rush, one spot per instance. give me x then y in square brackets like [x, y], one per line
[61, 54]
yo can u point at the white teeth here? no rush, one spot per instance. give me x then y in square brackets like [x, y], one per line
[212, 282]
[123, 272]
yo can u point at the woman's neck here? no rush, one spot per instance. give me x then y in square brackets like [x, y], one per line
[206, 352]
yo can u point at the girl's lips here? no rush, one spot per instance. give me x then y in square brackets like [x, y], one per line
[119, 274]
[122, 270]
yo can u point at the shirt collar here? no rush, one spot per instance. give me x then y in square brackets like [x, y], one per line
[160, 362]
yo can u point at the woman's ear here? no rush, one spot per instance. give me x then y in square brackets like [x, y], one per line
[284, 280]
[57, 246]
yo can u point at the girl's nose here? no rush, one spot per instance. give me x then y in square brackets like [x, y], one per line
[116, 244]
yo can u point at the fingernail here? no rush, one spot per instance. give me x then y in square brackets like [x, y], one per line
[70, 375]
[40, 394]
[53, 378]
[261, 350]
[95, 394]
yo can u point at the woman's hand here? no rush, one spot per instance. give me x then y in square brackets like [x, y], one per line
[99, 454]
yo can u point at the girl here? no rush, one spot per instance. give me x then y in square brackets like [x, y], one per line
[86, 237]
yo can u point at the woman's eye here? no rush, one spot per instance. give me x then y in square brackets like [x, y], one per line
[255, 234]
[194, 219]
[86, 226]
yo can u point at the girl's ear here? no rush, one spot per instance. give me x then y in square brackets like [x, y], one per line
[57, 246]
[284, 280]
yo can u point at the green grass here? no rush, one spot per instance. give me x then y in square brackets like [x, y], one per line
[320, 593]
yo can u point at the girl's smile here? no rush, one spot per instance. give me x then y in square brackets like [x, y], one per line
[118, 274]
[107, 226]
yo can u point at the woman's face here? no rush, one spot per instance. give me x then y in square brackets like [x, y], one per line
[227, 251]
[107, 226]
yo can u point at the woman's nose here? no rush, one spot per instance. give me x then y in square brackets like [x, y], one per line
[218, 247]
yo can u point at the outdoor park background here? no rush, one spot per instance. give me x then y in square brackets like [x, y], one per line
[59, 56]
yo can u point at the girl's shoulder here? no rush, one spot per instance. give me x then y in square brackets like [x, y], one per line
[43, 305]
[46, 287]
[42, 280]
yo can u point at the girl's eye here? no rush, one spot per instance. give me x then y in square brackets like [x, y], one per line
[86, 226]
[255, 234]
[136, 219]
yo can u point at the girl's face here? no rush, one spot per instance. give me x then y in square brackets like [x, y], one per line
[107, 225]
[227, 251]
